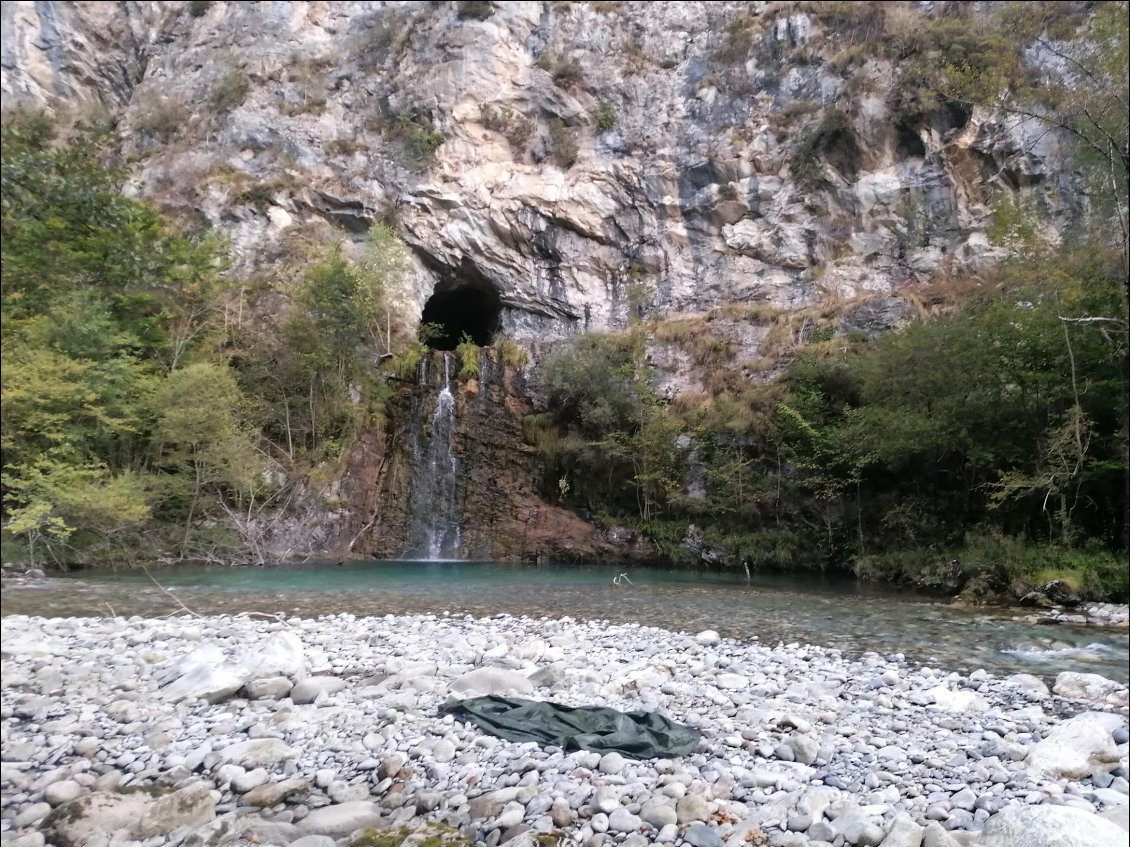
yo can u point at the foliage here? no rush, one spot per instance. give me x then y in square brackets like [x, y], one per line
[468, 352]
[104, 309]
[417, 138]
[477, 10]
[507, 122]
[562, 143]
[872, 455]
[229, 91]
[566, 72]
[510, 354]
[605, 117]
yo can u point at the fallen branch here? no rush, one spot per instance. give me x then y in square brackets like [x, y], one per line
[176, 599]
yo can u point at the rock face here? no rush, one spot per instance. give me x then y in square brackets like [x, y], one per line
[300, 123]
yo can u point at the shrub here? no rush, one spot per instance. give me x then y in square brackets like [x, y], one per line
[160, 117]
[510, 355]
[229, 91]
[345, 146]
[516, 128]
[562, 143]
[565, 72]
[199, 8]
[418, 138]
[605, 117]
[476, 10]
[468, 353]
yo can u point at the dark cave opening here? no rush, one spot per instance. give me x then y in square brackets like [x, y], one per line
[464, 310]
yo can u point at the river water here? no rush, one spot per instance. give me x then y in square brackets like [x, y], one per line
[844, 614]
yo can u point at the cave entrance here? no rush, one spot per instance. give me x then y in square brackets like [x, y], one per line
[463, 310]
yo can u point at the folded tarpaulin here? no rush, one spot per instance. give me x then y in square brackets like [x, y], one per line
[638, 735]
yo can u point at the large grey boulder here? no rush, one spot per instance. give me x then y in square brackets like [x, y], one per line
[1090, 687]
[205, 682]
[1077, 748]
[95, 816]
[1049, 826]
[341, 819]
[280, 655]
[192, 806]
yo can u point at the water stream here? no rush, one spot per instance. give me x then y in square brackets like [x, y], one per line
[838, 613]
[433, 498]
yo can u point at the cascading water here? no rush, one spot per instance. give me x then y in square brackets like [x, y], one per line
[433, 501]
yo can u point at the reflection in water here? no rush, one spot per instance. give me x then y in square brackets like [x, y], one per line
[843, 614]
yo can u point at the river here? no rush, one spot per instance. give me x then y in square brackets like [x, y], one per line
[832, 612]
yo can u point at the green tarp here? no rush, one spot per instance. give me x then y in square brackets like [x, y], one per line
[638, 735]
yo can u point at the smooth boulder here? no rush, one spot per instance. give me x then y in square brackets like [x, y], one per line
[1049, 826]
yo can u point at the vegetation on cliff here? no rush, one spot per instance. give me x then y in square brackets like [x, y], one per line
[144, 414]
[985, 445]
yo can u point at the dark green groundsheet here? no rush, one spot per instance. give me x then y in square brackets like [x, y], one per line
[638, 735]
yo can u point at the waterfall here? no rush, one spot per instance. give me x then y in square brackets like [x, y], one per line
[433, 501]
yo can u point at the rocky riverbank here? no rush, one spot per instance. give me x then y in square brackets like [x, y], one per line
[297, 732]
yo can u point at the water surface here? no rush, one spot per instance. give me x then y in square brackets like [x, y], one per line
[833, 612]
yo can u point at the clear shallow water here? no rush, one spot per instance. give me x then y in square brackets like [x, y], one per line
[839, 613]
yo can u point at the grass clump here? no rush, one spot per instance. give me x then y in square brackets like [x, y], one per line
[468, 352]
[229, 91]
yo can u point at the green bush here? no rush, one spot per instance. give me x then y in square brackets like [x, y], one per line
[468, 352]
[476, 10]
[507, 122]
[562, 143]
[229, 91]
[605, 117]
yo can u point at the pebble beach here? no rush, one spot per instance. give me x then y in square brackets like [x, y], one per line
[327, 733]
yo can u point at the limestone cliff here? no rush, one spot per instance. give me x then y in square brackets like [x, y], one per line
[571, 165]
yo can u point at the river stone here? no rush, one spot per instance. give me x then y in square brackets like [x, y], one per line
[269, 688]
[192, 806]
[1049, 826]
[707, 637]
[487, 681]
[1078, 747]
[280, 655]
[97, 815]
[32, 814]
[701, 835]
[1118, 815]
[611, 763]
[63, 792]
[622, 820]
[805, 748]
[692, 808]
[904, 832]
[658, 813]
[341, 819]
[244, 781]
[307, 691]
[1086, 686]
[256, 752]
[731, 682]
[959, 700]
[271, 793]
[314, 841]
[1033, 687]
[857, 828]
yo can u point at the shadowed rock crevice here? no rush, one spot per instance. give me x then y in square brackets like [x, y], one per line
[462, 309]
